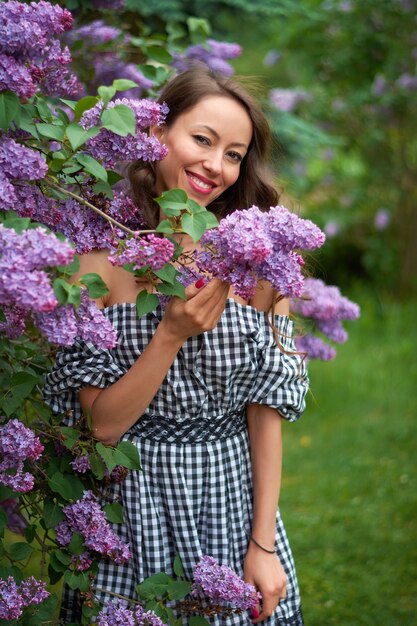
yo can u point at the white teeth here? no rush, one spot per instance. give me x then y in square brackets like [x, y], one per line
[199, 182]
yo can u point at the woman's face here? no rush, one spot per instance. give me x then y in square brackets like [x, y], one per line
[206, 145]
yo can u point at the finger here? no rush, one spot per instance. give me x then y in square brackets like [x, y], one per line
[214, 291]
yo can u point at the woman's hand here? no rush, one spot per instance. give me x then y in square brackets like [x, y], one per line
[199, 313]
[266, 573]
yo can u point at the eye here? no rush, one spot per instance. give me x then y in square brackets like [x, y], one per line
[202, 140]
[235, 156]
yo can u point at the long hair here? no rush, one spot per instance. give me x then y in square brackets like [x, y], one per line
[254, 184]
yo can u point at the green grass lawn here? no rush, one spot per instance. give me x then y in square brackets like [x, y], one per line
[349, 495]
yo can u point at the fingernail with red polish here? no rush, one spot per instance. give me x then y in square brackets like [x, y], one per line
[199, 283]
[255, 613]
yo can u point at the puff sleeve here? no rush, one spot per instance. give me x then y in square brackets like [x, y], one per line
[79, 366]
[282, 380]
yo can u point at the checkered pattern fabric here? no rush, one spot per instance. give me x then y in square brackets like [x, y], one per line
[194, 495]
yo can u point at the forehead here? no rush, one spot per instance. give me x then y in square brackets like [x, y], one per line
[226, 116]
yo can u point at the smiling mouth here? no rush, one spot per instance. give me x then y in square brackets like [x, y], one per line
[202, 185]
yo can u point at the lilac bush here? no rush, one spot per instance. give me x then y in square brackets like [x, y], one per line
[213, 53]
[118, 614]
[18, 444]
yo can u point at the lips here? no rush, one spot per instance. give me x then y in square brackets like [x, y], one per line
[200, 183]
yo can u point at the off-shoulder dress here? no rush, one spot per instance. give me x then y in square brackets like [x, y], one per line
[194, 494]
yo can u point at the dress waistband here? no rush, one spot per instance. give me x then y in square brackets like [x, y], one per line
[189, 431]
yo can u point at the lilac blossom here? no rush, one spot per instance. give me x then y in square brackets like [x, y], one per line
[215, 54]
[14, 598]
[65, 323]
[149, 250]
[20, 163]
[315, 347]
[30, 53]
[221, 584]
[382, 219]
[82, 561]
[111, 148]
[287, 99]
[332, 228]
[251, 245]
[23, 283]
[87, 518]
[326, 308]
[81, 464]
[271, 57]
[17, 445]
[14, 324]
[96, 32]
[118, 614]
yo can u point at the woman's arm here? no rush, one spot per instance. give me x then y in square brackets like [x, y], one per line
[262, 569]
[116, 408]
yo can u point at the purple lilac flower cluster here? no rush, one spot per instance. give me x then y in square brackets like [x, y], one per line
[14, 598]
[214, 53]
[253, 245]
[148, 250]
[30, 54]
[326, 307]
[65, 323]
[287, 99]
[23, 283]
[221, 584]
[118, 614]
[111, 148]
[87, 518]
[17, 163]
[17, 445]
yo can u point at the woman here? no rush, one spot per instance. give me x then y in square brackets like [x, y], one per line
[201, 388]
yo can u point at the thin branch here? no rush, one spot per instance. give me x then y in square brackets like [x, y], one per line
[97, 210]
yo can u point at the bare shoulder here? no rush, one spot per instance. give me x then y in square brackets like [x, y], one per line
[266, 297]
[96, 262]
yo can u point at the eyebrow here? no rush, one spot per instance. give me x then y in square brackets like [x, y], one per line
[216, 134]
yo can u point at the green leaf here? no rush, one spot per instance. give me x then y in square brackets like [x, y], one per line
[106, 93]
[95, 285]
[194, 225]
[3, 521]
[52, 131]
[10, 109]
[52, 514]
[77, 135]
[20, 551]
[178, 567]
[178, 589]
[107, 454]
[168, 273]
[26, 123]
[77, 580]
[56, 563]
[71, 436]
[173, 202]
[21, 384]
[97, 466]
[44, 112]
[86, 103]
[146, 302]
[42, 613]
[131, 458]
[30, 532]
[158, 53]
[165, 226]
[198, 620]
[172, 290]
[69, 103]
[199, 29]
[68, 486]
[67, 293]
[102, 187]
[76, 545]
[92, 166]
[123, 84]
[120, 120]
[155, 586]
[114, 512]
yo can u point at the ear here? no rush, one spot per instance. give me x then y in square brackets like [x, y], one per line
[157, 131]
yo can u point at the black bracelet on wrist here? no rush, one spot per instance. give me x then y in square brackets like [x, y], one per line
[261, 547]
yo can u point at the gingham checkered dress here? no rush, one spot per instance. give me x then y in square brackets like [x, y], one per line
[194, 495]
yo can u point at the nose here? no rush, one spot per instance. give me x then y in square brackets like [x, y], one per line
[213, 162]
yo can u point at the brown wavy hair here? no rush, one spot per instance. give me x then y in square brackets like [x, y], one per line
[254, 185]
